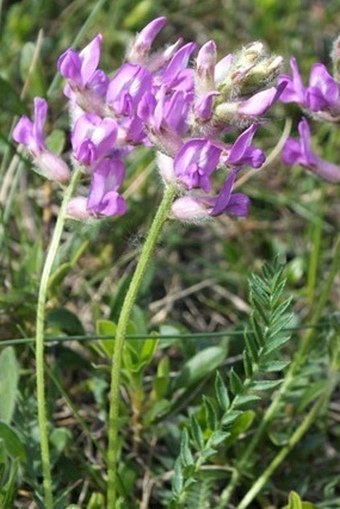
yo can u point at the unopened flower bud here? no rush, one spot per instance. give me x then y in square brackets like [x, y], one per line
[165, 166]
[187, 208]
[205, 68]
[52, 167]
[77, 208]
[143, 41]
[261, 75]
[252, 53]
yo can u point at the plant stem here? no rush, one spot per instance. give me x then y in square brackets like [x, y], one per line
[129, 301]
[39, 341]
[276, 462]
[295, 365]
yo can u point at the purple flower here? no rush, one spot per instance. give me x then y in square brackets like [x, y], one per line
[195, 162]
[260, 103]
[126, 89]
[166, 111]
[300, 152]
[80, 68]
[176, 75]
[242, 153]
[93, 138]
[196, 207]
[31, 135]
[104, 199]
[323, 92]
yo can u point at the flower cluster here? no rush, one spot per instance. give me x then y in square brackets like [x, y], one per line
[321, 100]
[157, 99]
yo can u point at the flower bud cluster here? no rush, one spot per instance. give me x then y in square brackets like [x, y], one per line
[320, 100]
[159, 100]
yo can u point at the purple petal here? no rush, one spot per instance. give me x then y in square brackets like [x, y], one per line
[150, 31]
[127, 87]
[224, 196]
[323, 90]
[112, 204]
[99, 82]
[300, 152]
[195, 162]
[238, 205]
[204, 106]
[222, 68]
[178, 63]
[259, 103]
[92, 137]
[29, 133]
[90, 56]
[206, 59]
[69, 66]
[106, 180]
[144, 40]
[241, 144]
[305, 142]
[291, 151]
[22, 133]
[40, 114]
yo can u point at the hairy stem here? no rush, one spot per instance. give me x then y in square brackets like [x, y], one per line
[295, 365]
[129, 301]
[39, 341]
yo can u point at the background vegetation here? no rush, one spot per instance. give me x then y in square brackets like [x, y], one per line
[197, 283]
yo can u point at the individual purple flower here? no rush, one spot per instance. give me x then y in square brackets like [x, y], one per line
[80, 68]
[104, 199]
[243, 112]
[176, 75]
[323, 92]
[31, 135]
[126, 89]
[195, 162]
[166, 111]
[143, 41]
[195, 207]
[242, 153]
[93, 138]
[261, 102]
[300, 152]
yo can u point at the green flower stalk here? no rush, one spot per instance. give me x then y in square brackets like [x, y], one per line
[39, 348]
[129, 301]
